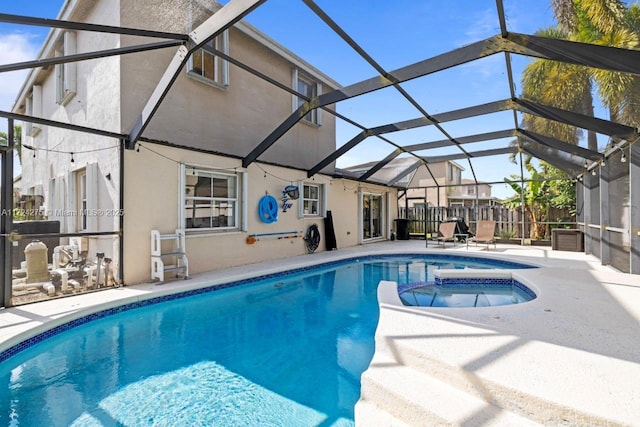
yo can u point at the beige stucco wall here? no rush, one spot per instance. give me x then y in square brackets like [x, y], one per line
[110, 94]
[423, 178]
[230, 120]
[152, 200]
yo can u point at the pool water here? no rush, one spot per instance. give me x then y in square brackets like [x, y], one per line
[461, 295]
[285, 351]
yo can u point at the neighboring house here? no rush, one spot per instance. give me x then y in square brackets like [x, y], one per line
[423, 189]
[471, 195]
[187, 173]
[453, 189]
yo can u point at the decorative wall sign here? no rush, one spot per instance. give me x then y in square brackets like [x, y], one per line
[290, 192]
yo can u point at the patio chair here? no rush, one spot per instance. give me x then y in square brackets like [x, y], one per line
[485, 233]
[445, 232]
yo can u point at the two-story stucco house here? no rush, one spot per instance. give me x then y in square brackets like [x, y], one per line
[470, 194]
[186, 171]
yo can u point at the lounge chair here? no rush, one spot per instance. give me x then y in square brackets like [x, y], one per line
[445, 232]
[485, 233]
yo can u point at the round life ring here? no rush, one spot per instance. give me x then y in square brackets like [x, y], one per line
[268, 209]
[312, 238]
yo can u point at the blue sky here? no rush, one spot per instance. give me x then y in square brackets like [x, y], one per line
[395, 34]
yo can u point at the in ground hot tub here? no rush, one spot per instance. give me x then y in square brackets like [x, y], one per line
[465, 293]
[467, 287]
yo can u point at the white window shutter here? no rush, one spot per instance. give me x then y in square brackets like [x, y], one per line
[181, 195]
[69, 83]
[323, 208]
[51, 197]
[36, 99]
[245, 195]
[59, 78]
[225, 63]
[294, 86]
[92, 196]
[28, 126]
[34, 108]
[301, 200]
[70, 204]
[55, 202]
[319, 110]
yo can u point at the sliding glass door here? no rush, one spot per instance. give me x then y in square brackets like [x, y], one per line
[372, 216]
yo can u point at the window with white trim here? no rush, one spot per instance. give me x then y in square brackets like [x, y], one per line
[310, 88]
[210, 68]
[211, 199]
[66, 73]
[311, 199]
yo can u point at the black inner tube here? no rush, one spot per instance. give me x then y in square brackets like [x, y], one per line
[312, 238]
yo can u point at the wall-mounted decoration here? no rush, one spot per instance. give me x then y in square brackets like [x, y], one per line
[290, 192]
[268, 209]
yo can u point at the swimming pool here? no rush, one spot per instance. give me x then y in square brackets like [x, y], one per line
[287, 349]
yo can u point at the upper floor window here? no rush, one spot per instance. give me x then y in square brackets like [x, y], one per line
[455, 174]
[211, 199]
[310, 88]
[66, 73]
[208, 67]
[471, 189]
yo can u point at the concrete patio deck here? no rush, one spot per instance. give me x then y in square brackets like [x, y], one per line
[570, 357]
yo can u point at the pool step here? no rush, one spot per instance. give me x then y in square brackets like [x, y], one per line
[370, 415]
[416, 399]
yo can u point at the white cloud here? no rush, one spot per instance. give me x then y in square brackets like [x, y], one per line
[484, 24]
[15, 47]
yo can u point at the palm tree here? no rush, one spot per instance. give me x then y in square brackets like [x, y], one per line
[561, 85]
[17, 140]
[567, 86]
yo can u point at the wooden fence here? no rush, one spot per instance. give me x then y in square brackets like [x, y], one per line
[425, 221]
